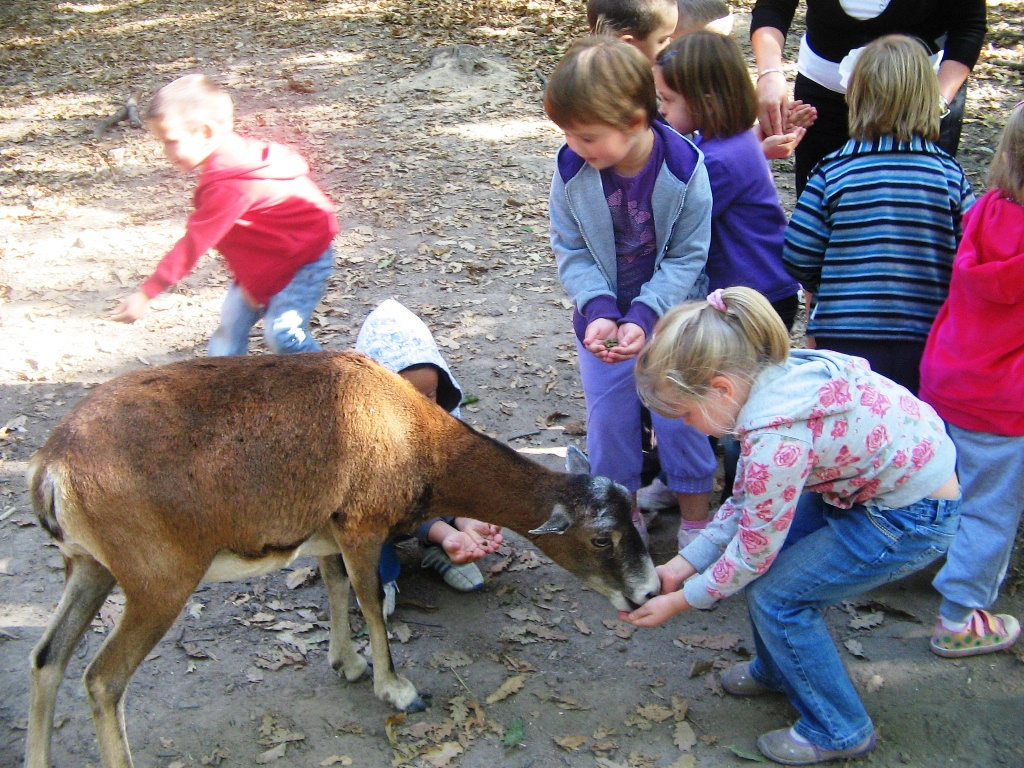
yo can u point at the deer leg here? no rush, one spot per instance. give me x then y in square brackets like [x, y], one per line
[88, 584]
[361, 561]
[147, 617]
[341, 652]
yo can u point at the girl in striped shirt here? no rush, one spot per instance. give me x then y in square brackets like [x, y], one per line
[875, 231]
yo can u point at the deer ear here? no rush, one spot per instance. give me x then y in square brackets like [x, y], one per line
[576, 462]
[559, 522]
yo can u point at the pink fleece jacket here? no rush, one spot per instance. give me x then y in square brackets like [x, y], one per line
[972, 371]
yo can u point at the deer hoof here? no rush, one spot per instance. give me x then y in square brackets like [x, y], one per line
[418, 704]
[352, 669]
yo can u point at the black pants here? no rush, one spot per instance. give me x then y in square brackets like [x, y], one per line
[896, 359]
[831, 130]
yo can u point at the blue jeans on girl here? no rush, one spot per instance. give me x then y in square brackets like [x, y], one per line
[832, 554]
[285, 318]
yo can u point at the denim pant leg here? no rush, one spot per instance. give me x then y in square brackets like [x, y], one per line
[236, 320]
[991, 470]
[614, 440]
[855, 551]
[286, 321]
[687, 458]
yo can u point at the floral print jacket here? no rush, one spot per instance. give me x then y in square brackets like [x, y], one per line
[821, 422]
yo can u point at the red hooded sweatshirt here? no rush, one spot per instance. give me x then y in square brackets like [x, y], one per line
[257, 205]
[972, 370]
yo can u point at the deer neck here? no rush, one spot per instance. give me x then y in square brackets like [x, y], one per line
[488, 480]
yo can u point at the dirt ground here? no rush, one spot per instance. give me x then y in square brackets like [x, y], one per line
[424, 124]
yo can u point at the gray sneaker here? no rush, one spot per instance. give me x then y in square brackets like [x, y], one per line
[464, 578]
[781, 747]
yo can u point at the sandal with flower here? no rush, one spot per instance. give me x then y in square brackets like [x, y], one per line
[985, 633]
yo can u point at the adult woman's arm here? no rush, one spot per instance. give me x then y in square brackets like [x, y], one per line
[772, 88]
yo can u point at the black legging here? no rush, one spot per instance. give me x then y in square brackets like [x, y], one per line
[831, 131]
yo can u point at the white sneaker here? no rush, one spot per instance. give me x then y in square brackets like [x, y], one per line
[656, 496]
[464, 578]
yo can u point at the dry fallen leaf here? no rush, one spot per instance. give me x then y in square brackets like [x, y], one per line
[855, 648]
[272, 754]
[684, 737]
[337, 760]
[506, 689]
[443, 754]
[655, 712]
[570, 743]
[300, 577]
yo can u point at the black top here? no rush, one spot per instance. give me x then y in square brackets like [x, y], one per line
[832, 33]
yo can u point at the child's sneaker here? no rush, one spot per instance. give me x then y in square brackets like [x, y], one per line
[656, 496]
[464, 578]
[985, 633]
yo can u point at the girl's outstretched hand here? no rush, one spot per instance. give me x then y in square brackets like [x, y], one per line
[602, 335]
[674, 573]
[631, 340]
[656, 610]
[781, 146]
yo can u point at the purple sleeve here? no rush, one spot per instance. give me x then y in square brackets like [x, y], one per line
[642, 315]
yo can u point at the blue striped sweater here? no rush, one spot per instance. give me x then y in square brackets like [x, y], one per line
[873, 237]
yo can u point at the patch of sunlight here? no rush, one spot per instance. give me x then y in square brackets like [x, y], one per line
[322, 58]
[14, 615]
[495, 131]
[85, 7]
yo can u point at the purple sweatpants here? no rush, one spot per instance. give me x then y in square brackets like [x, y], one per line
[614, 442]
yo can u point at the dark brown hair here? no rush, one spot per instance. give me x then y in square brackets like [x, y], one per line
[708, 71]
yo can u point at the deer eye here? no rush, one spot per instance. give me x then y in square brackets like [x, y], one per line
[601, 542]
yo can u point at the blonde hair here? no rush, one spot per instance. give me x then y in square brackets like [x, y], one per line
[708, 71]
[195, 100]
[1007, 169]
[694, 342]
[894, 91]
[601, 80]
[638, 18]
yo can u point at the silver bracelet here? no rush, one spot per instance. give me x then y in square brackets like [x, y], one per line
[768, 71]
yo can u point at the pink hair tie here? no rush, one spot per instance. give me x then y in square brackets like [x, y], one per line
[716, 300]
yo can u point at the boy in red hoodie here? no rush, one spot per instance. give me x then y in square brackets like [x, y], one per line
[257, 205]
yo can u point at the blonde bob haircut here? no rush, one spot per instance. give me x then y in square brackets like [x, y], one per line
[601, 80]
[195, 100]
[894, 91]
[1007, 169]
[708, 71]
[694, 342]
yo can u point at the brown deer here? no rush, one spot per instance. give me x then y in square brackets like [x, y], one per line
[223, 468]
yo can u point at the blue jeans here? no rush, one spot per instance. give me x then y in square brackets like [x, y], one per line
[830, 555]
[991, 471]
[285, 318]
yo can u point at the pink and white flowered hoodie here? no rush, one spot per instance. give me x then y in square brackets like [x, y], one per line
[822, 422]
